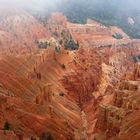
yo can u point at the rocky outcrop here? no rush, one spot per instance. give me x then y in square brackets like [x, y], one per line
[8, 134]
[84, 69]
[137, 71]
[94, 34]
[57, 26]
[19, 31]
[114, 121]
[109, 120]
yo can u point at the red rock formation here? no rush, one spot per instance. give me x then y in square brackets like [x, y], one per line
[86, 68]
[114, 122]
[94, 34]
[19, 31]
[8, 134]
[91, 93]
[57, 24]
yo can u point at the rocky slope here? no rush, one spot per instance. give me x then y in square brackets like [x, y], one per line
[64, 92]
[19, 32]
[94, 34]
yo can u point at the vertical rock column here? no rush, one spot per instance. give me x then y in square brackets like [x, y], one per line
[137, 71]
[84, 126]
[47, 95]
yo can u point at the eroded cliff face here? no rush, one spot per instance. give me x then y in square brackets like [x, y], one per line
[67, 94]
[84, 64]
[118, 120]
[94, 34]
[19, 32]
[35, 104]
[57, 27]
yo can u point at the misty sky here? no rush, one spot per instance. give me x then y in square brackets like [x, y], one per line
[108, 12]
[30, 4]
[41, 4]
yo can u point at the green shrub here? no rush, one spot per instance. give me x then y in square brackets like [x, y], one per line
[71, 45]
[50, 137]
[32, 138]
[63, 66]
[57, 49]
[61, 94]
[46, 137]
[117, 36]
[7, 126]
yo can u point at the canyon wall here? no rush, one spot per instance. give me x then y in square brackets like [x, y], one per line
[81, 85]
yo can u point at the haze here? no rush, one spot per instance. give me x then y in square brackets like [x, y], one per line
[108, 12]
[38, 4]
[28, 4]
